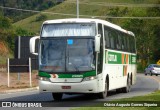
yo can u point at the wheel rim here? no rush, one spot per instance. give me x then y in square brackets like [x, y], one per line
[105, 90]
[128, 85]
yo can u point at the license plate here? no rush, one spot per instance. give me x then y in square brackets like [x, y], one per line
[66, 87]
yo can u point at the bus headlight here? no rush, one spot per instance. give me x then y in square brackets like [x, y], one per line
[44, 79]
[89, 78]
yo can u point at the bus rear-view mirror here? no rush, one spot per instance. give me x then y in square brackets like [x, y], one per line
[32, 45]
[97, 42]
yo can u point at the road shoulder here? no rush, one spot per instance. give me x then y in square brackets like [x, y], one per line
[19, 90]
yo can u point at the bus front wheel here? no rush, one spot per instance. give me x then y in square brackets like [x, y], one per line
[103, 94]
[57, 96]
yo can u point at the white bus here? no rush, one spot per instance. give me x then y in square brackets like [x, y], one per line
[85, 56]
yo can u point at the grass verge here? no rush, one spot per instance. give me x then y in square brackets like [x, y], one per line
[141, 100]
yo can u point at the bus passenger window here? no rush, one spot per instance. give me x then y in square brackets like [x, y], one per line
[132, 44]
[111, 41]
[128, 44]
[107, 43]
[100, 55]
[119, 42]
[114, 40]
[124, 42]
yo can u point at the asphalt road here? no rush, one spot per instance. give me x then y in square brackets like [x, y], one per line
[144, 85]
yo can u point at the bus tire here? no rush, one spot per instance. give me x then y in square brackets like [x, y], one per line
[103, 94]
[119, 90]
[128, 87]
[57, 96]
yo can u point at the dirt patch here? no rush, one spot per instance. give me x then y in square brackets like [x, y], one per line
[3, 48]
[15, 83]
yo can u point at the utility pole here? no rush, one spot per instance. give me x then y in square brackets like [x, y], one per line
[77, 8]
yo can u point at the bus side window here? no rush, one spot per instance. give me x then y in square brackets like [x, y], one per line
[114, 40]
[124, 42]
[107, 40]
[118, 41]
[132, 44]
[100, 55]
[100, 29]
[111, 37]
[128, 43]
[120, 38]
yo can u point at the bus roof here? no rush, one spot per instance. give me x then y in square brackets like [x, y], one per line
[86, 20]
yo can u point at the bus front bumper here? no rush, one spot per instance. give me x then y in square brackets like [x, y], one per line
[80, 87]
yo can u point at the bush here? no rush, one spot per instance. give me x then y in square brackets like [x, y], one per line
[41, 17]
[140, 68]
[5, 23]
[22, 32]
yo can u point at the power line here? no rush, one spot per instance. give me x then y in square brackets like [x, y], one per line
[18, 9]
[35, 11]
[116, 4]
[88, 16]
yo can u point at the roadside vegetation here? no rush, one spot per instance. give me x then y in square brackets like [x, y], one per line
[149, 99]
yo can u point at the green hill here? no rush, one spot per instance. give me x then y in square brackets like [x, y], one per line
[23, 4]
[87, 7]
[146, 30]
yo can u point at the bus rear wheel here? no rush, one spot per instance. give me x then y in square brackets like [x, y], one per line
[128, 87]
[57, 96]
[103, 94]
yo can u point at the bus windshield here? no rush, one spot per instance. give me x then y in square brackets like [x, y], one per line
[66, 55]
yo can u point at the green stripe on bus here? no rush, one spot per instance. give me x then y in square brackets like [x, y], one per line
[90, 73]
[130, 60]
[114, 58]
[133, 59]
[86, 74]
[44, 74]
[65, 75]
